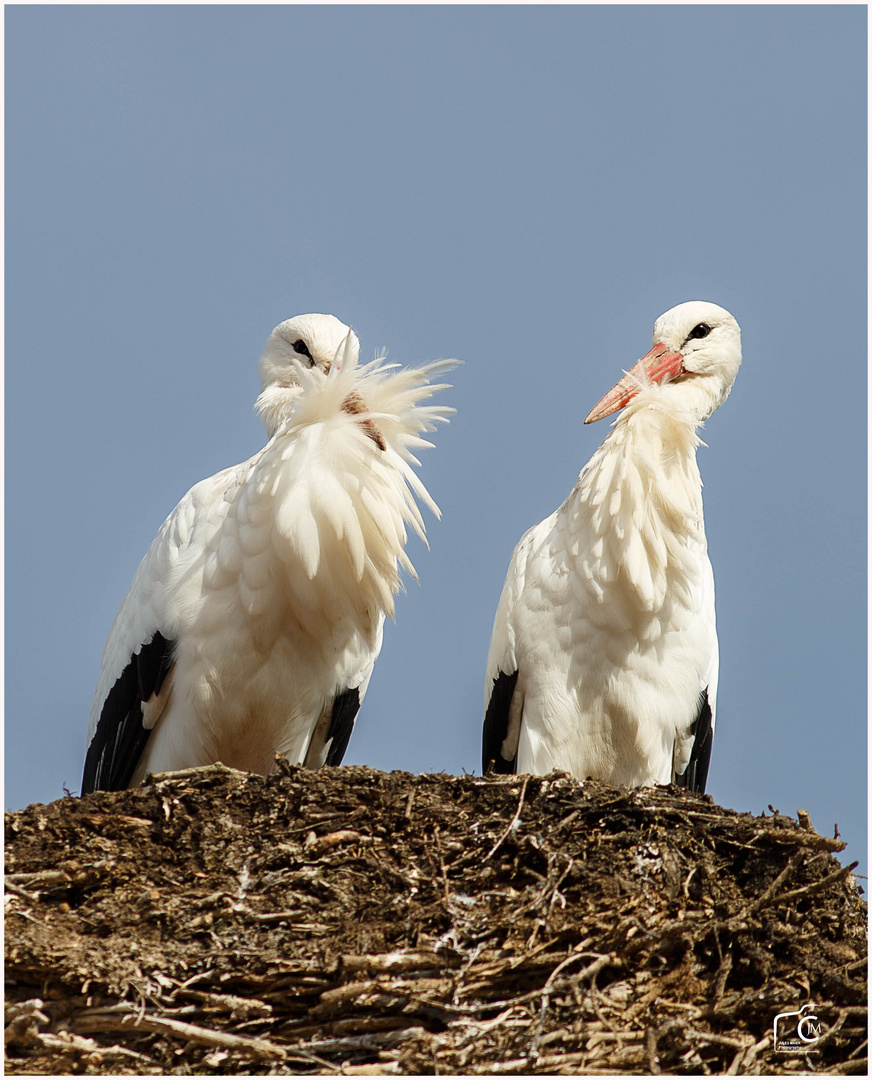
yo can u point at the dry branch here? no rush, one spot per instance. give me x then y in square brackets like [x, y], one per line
[99, 1021]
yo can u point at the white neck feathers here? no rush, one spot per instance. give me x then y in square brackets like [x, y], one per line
[341, 498]
[635, 516]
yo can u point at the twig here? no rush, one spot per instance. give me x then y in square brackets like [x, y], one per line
[66, 1042]
[376, 1068]
[801, 839]
[856, 1067]
[795, 860]
[651, 1050]
[393, 962]
[23, 1020]
[513, 824]
[375, 1040]
[46, 878]
[198, 772]
[160, 1025]
[32, 898]
[545, 1064]
[591, 969]
[441, 862]
[816, 886]
[317, 845]
[232, 1004]
[723, 972]
[722, 1040]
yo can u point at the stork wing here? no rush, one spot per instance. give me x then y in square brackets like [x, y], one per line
[503, 702]
[330, 738]
[129, 712]
[135, 676]
[692, 753]
[341, 725]
[699, 743]
[496, 726]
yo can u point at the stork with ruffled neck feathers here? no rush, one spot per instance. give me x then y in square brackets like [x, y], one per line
[604, 655]
[253, 623]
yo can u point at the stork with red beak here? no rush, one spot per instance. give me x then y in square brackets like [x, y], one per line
[604, 655]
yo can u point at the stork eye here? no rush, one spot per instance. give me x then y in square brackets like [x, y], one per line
[303, 349]
[700, 330]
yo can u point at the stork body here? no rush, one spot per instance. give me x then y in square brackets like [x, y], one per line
[253, 623]
[604, 655]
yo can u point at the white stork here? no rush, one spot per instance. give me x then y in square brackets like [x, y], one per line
[253, 623]
[604, 655]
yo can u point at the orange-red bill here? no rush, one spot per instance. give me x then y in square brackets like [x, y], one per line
[655, 367]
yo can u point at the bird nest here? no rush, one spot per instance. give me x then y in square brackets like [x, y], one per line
[349, 921]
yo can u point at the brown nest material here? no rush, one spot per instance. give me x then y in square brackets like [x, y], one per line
[357, 922]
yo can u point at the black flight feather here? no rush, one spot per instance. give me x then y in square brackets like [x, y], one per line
[694, 776]
[345, 708]
[120, 737]
[496, 725]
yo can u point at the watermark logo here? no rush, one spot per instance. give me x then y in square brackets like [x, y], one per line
[798, 1031]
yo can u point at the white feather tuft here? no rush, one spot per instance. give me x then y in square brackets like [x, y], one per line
[340, 496]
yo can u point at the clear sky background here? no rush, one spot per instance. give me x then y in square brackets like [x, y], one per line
[525, 188]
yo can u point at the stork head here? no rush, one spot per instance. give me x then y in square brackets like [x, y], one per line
[311, 340]
[697, 349]
[308, 340]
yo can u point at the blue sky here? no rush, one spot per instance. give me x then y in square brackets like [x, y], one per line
[525, 188]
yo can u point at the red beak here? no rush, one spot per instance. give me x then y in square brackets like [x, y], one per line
[657, 366]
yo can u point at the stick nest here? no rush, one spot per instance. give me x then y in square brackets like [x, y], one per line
[349, 921]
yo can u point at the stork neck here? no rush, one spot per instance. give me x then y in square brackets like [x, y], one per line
[694, 396]
[275, 404]
[635, 515]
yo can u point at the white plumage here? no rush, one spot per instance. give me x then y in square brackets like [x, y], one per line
[604, 655]
[253, 623]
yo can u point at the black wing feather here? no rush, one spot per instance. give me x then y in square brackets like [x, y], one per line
[695, 775]
[345, 708]
[496, 725]
[120, 737]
